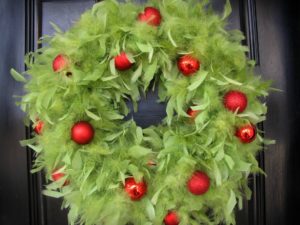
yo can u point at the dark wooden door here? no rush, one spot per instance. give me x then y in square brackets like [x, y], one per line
[269, 28]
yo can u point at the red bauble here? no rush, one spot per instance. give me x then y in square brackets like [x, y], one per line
[82, 132]
[192, 113]
[171, 218]
[122, 62]
[188, 65]
[235, 100]
[246, 133]
[61, 62]
[199, 183]
[59, 175]
[39, 127]
[151, 16]
[135, 190]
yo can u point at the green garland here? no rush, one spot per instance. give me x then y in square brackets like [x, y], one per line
[97, 92]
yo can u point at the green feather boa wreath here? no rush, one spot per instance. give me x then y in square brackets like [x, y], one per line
[190, 169]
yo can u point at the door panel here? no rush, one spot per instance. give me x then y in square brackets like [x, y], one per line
[14, 194]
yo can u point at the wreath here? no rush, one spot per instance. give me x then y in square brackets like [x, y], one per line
[193, 167]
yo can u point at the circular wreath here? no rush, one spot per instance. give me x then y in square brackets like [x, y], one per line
[190, 169]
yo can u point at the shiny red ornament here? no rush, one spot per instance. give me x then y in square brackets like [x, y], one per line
[151, 16]
[39, 127]
[188, 65]
[122, 62]
[135, 190]
[199, 183]
[246, 133]
[82, 132]
[235, 100]
[171, 218]
[193, 113]
[59, 175]
[60, 63]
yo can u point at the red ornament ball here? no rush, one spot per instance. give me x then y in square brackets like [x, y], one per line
[235, 100]
[199, 183]
[246, 133]
[171, 218]
[135, 190]
[122, 62]
[82, 132]
[151, 16]
[56, 175]
[60, 63]
[193, 113]
[188, 65]
[39, 127]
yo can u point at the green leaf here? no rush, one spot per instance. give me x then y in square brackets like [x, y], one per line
[227, 10]
[67, 159]
[196, 83]
[134, 170]
[231, 81]
[55, 27]
[92, 115]
[156, 195]
[171, 39]
[269, 142]
[137, 73]
[217, 174]
[77, 161]
[229, 161]
[113, 136]
[170, 110]
[47, 96]
[114, 116]
[139, 135]
[35, 148]
[53, 194]
[150, 210]
[17, 76]
[243, 166]
[112, 67]
[130, 57]
[144, 47]
[150, 56]
[138, 151]
[122, 177]
[27, 142]
[231, 203]
[109, 78]
[149, 73]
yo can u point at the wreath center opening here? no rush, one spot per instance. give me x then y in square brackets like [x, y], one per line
[150, 110]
